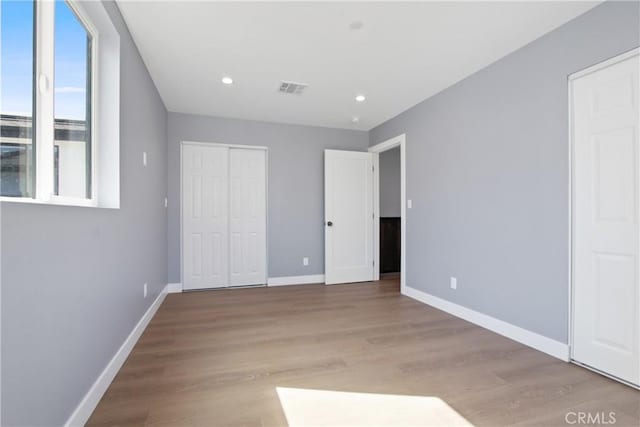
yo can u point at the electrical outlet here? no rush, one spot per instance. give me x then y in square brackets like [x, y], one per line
[453, 283]
[144, 290]
[144, 158]
[305, 261]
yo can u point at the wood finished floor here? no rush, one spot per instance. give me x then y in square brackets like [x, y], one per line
[215, 358]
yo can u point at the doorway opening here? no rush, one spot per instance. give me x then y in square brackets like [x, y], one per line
[390, 205]
[390, 215]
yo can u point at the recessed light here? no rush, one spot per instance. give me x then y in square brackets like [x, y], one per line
[227, 80]
[360, 98]
[355, 120]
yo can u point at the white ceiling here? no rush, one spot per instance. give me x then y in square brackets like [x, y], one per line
[403, 54]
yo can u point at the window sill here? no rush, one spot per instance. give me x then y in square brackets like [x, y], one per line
[56, 201]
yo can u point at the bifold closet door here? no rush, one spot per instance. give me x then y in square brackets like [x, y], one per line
[247, 219]
[606, 167]
[205, 235]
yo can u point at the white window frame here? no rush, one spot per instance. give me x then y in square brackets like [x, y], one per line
[105, 110]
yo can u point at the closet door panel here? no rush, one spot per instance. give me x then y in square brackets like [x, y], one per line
[606, 218]
[247, 219]
[205, 195]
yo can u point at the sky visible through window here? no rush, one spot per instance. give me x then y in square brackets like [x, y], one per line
[17, 60]
[17, 57]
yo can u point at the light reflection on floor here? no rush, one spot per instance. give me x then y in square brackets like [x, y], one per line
[305, 407]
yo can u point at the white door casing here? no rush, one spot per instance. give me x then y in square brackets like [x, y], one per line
[204, 216]
[247, 220]
[606, 239]
[400, 142]
[348, 216]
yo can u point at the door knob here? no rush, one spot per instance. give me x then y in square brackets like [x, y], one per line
[329, 223]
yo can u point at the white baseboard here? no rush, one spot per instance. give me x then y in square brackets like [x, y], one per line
[86, 407]
[174, 288]
[295, 280]
[516, 333]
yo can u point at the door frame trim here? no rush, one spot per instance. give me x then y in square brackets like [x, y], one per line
[266, 196]
[571, 145]
[397, 141]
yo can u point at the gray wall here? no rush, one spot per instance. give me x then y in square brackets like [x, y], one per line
[390, 201]
[487, 165]
[72, 277]
[296, 184]
[487, 172]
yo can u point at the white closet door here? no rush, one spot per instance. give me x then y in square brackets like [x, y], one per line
[247, 224]
[204, 216]
[606, 331]
[348, 204]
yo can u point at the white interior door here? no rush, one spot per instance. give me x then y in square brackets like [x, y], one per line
[606, 304]
[348, 203]
[204, 216]
[247, 226]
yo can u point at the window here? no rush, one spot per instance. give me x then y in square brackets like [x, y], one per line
[16, 119]
[72, 104]
[59, 144]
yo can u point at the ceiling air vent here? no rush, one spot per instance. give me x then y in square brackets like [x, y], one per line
[292, 88]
